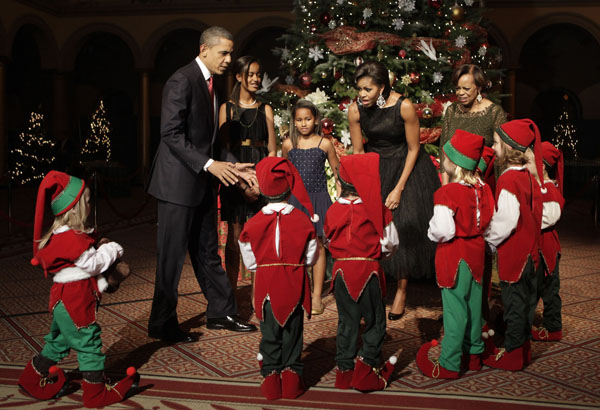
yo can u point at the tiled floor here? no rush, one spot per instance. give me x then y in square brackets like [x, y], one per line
[563, 374]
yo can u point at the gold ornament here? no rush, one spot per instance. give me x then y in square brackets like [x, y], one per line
[392, 78]
[342, 80]
[457, 12]
[323, 75]
[427, 113]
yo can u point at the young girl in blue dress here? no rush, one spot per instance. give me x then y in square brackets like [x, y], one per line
[307, 150]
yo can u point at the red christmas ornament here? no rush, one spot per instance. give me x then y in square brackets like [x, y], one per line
[305, 80]
[325, 18]
[337, 75]
[415, 77]
[344, 103]
[362, 23]
[313, 28]
[402, 53]
[439, 13]
[436, 4]
[327, 126]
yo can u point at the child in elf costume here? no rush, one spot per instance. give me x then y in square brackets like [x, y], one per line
[360, 231]
[515, 232]
[67, 252]
[548, 279]
[462, 211]
[279, 242]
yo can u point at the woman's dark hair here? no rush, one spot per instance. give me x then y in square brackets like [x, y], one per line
[472, 69]
[315, 112]
[241, 66]
[378, 73]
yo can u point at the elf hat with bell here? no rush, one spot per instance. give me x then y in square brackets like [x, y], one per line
[277, 176]
[486, 162]
[464, 149]
[63, 191]
[523, 134]
[553, 158]
[360, 173]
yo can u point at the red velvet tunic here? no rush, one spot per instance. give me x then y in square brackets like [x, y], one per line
[550, 243]
[524, 242]
[351, 234]
[81, 297]
[468, 243]
[282, 278]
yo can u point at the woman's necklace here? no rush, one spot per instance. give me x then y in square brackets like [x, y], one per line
[243, 104]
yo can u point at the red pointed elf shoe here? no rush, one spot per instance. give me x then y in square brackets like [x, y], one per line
[432, 368]
[292, 385]
[100, 394]
[470, 362]
[271, 386]
[501, 359]
[39, 386]
[541, 334]
[366, 378]
[343, 378]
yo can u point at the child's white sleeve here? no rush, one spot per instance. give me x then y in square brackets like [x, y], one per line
[551, 214]
[505, 219]
[389, 242]
[95, 261]
[312, 252]
[441, 225]
[247, 255]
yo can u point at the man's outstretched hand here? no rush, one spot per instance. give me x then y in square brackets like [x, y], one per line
[225, 171]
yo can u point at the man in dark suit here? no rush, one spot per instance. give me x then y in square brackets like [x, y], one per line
[182, 181]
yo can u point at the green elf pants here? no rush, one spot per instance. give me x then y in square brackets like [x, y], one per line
[64, 336]
[548, 288]
[462, 319]
[519, 300]
[370, 306]
[281, 347]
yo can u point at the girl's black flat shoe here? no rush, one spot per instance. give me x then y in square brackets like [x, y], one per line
[395, 316]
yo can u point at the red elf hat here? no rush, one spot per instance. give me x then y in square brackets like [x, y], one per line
[553, 157]
[277, 176]
[486, 162]
[63, 191]
[523, 134]
[360, 172]
[464, 149]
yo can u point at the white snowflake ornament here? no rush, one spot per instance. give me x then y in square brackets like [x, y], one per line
[331, 24]
[482, 50]
[285, 53]
[315, 53]
[398, 24]
[367, 13]
[289, 80]
[437, 77]
[460, 41]
[346, 138]
[406, 5]
[469, 2]
[405, 80]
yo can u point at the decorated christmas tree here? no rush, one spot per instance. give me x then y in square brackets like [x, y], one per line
[96, 146]
[420, 42]
[33, 154]
[564, 135]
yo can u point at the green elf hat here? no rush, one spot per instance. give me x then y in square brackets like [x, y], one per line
[523, 134]
[464, 149]
[63, 191]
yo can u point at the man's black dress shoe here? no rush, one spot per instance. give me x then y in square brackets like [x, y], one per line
[233, 323]
[172, 334]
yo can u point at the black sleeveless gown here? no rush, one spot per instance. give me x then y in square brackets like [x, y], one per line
[384, 130]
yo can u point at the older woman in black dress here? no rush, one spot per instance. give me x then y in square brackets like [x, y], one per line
[408, 178]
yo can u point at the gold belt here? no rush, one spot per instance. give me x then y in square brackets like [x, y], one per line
[248, 142]
[357, 258]
[268, 265]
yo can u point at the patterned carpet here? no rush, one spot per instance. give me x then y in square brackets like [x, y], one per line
[220, 370]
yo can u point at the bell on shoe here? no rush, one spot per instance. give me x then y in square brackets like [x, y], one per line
[42, 387]
[432, 368]
[366, 378]
[541, 334]
[501, 359]
[100, 394]
[271, 386]
[343, 378]
[292, 385]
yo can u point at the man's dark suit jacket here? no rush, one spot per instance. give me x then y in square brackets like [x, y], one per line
[187, 140]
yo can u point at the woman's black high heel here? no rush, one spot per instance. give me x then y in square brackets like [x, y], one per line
[395, 316]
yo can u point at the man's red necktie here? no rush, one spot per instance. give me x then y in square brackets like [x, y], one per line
[211, 93]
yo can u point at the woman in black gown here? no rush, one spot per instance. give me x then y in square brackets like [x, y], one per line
[390, 125]
[246, 126]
